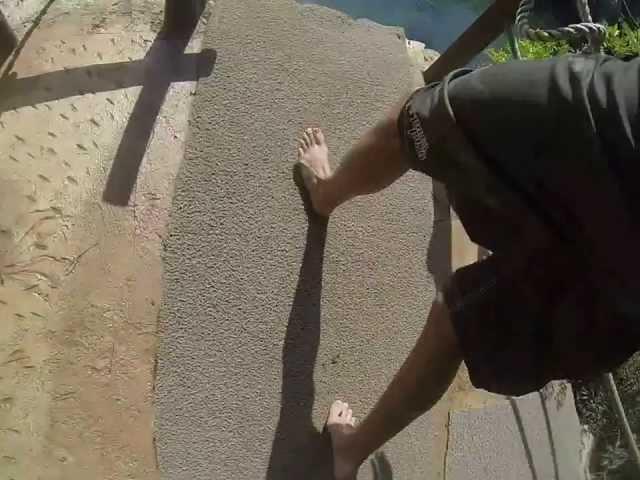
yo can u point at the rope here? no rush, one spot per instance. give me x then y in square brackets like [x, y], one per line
[594, 44]
[593, 32]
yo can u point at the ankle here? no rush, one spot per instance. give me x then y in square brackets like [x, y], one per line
[351, 450]
[323, 197]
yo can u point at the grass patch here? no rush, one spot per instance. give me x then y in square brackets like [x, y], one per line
[623, 41]
[611, 459]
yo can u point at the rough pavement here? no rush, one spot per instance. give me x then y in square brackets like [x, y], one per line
[264, 321]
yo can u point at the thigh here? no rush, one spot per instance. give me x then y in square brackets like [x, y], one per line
[525, 319]
[493, 213]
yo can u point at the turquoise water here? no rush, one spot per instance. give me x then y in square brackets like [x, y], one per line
[436, 23]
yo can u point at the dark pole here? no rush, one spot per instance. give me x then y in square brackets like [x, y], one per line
[481, 33]
[8, 39]
[181, 16]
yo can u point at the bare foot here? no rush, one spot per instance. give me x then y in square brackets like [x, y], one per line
[313, 156]
[341, 424]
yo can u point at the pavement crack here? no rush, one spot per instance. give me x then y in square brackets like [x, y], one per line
[447, 432]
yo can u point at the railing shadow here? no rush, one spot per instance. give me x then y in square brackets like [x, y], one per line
[523, 435]
[162, 67]
[164, 64]
[552, 443]
[47, 87]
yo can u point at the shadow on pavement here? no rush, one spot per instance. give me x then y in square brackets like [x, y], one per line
[299, 450]
[106, 77]
[525, 441]
[552, 443]
[164, 64]
[523, 435]
[381, 467]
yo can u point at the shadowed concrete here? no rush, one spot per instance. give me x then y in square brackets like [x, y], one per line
[268, 318]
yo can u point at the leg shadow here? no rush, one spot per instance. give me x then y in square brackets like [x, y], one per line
[552, 443]
[381, 467]
[299, 450]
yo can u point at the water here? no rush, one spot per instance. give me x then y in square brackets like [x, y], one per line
[437, 23]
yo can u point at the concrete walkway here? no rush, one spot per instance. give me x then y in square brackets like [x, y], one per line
[268, 317]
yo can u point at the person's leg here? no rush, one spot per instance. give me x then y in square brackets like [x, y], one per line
[373, 163]
[419, 384]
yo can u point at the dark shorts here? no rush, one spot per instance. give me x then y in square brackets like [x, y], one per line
[538, 308]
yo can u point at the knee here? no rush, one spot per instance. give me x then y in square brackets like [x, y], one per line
[441, 323]
[387, 130]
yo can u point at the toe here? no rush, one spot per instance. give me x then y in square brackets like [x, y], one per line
[308, 137]
[304, 141]
[318, 136]
[335, 412]
[300, 153]
[352, 422]
[348, 415]
[302, 144]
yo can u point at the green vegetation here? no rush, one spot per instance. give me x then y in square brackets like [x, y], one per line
[611, 459]
[530, 50]
[623, 41]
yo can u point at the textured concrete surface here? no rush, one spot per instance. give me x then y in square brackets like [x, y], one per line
[535, 437]
[80, 279]
[268, 318]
